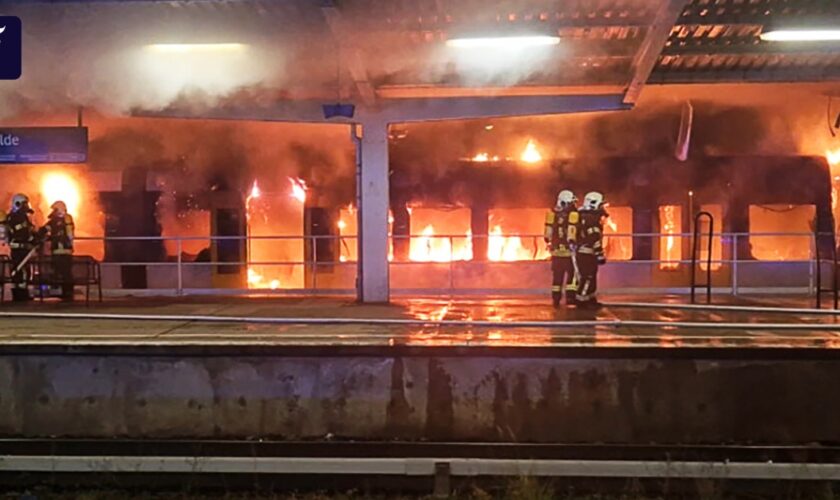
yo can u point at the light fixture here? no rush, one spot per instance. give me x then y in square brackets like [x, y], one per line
[808, 29]
[186, 48]
[802, 35]
[503, 42]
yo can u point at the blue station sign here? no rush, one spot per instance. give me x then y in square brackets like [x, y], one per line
[43, 145]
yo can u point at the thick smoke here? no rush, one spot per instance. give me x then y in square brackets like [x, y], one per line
[100, 55]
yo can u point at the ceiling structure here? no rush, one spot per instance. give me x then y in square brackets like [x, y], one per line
[371, 49]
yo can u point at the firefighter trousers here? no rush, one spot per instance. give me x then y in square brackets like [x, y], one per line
[563, 278]
[20, 279]
[588, 286]
[63, 274]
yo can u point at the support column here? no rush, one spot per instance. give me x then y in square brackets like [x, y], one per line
[373, 192]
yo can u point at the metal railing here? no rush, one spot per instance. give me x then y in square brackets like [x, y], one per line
[819, 239]
[327, 264]
[695, 253]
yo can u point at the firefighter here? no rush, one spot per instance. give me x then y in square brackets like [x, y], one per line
[560, 233]
[60, 231]
[22, 237]
[590, 249]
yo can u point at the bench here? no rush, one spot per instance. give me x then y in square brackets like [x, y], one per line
[86, 272]
[5, 275]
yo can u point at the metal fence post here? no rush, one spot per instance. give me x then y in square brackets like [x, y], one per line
[814, 263]
[314, 264]
[180, 289]
[451, 264]
[734, 264]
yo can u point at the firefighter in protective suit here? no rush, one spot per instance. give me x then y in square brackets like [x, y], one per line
[590, 248]
[560, 234]
[60, 232]
[22, 236]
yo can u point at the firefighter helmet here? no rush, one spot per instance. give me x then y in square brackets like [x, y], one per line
[566, 199]
[593, 201]
[59, 207]
[19, 201]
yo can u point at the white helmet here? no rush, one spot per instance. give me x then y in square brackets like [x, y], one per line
[19, 201]
[592, 201]
[566, 199]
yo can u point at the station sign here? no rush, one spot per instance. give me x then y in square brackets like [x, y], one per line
[43, 145]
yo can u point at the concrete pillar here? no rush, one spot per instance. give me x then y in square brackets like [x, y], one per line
[373, 214]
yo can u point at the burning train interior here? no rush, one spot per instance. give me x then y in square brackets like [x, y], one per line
[167, 203]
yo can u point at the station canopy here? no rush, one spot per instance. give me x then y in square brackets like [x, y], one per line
[136, 53]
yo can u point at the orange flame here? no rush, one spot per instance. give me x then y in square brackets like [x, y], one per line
[254, 193]
[430, 248]
[620, 221]
[256, 280]
[531, 154]
[501, 248]
[833, 156]
[59, 186]
[669, 252]
[299, 189]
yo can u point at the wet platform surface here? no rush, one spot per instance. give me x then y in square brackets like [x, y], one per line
[747, 329]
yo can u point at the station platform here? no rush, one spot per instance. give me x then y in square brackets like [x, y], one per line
[640, 370]
[624, 321]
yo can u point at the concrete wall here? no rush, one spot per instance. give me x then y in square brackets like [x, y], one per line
[458, 398]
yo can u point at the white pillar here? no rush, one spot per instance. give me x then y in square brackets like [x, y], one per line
[373, 214]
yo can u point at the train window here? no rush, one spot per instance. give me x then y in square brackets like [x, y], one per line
[348, 229]
[516, 234]
[670, 245]
[717, 244]
[275, 226]
[620, 221]
[769, 225]
[427, 225]
[191, 223]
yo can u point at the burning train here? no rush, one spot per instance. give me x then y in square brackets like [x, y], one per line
[464, 223]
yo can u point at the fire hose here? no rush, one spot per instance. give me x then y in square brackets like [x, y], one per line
[25, 261]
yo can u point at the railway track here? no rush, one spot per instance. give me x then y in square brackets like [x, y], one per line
[425, 465]
[386, 449]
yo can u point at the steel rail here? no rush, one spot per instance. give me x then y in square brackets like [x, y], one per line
[797, 463]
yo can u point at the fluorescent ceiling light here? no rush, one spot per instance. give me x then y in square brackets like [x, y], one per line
[503, 42]
[802, 35]
[185, 48]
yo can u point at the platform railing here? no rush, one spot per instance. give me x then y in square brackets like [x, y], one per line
[832, 260]
[326, 264]
[695, 254]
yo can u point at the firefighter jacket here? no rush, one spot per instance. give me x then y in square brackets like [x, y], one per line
[591, 233]
[60, 231]
[561, 231]
[20, 230]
